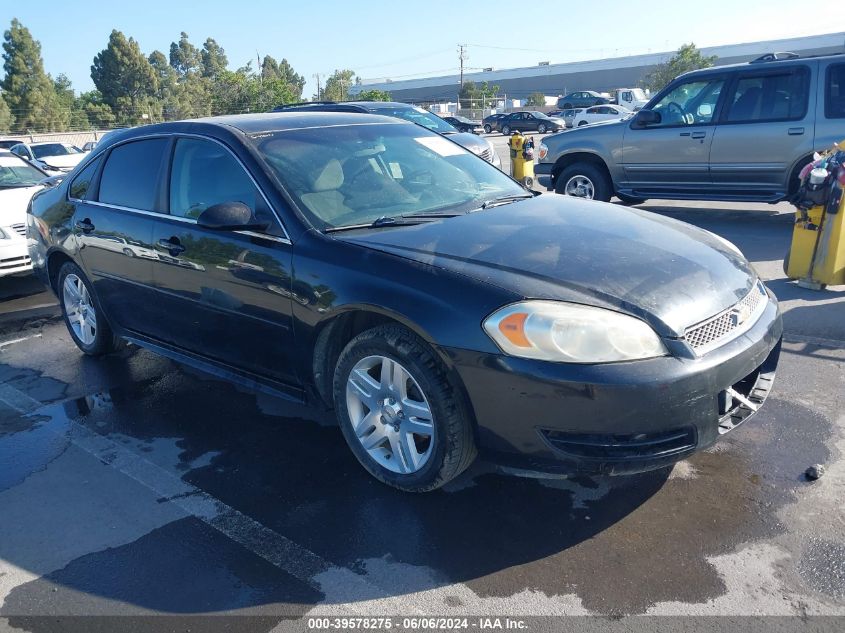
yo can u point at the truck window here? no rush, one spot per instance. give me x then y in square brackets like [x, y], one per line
[770, 96]
[834, 93]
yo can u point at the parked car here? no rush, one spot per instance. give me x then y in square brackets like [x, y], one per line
[530, 122]
[374, 267]
[89, 146]
[19, 181]
[8, 143]
[463, 124]
[50, 156]
[582, 99]
[569, 116]
[479, 146]
[601, 113]
[739, 132]
[491, 122]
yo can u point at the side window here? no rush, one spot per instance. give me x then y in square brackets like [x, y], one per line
[834, 92]
[204, 174]
[130, 175]
[689, 103]
[80, 185]
[770, 97]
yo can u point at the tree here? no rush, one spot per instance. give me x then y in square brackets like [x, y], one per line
[98, 113]
[213, 57]
[687, 58]
[126, 80]
[27, 89]
[373, 95]
[283, 71]
[6, 118]
[165, 73]
[535, 99]
[184, 56]
[474, 95]
[337, 86]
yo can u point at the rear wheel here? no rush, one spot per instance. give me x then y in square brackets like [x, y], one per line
[86, 323]
[506, 131]
[583, 180]
[541, 128]
[400, 415]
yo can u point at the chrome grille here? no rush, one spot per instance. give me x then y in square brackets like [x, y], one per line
[733, 320]
[20, 229]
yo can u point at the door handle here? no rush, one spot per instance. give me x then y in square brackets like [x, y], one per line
[172, 245]
[85, 225]
[699, 134]
[795, 131]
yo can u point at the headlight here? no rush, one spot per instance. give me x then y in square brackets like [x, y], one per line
[571, 333]
[542, 151]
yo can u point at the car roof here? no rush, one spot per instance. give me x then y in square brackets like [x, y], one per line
[763, 63]
[262, 122]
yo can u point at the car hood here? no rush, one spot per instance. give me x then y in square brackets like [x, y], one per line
[669, 273]
[13, 203]
[472, 142]
[64, 161]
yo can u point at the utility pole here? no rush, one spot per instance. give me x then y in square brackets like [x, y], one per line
[462, 55]
[319, 93]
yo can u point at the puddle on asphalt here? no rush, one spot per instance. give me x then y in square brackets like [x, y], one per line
[620, 544]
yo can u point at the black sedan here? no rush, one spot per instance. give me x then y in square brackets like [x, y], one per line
[376, 268]
[530, 122]
[491, 122]
[464, 124]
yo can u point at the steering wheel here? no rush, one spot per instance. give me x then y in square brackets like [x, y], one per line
[682, 114]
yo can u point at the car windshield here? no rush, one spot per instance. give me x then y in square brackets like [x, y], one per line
[53, 149]
[420, 117]
[540, 115]
[17, 173]
[355, 174]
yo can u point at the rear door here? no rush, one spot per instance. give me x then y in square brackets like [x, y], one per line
[766, 126]
[673, 155]
[226, 295]
[113, 222]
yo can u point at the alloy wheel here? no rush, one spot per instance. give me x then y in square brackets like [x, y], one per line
[79, 309]
[580, 187]
[390, 414]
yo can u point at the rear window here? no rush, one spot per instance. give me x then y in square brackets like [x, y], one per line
[770, 96]
[130, 176]
[834, 101]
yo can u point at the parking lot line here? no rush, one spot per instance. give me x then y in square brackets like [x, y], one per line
[347, 588]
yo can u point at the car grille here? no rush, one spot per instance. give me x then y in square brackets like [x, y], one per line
[15, 262]
[623, 447]
[729, 323]
[20, 229]
[487, 155]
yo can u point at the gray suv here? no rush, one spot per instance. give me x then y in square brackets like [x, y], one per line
[740, 132]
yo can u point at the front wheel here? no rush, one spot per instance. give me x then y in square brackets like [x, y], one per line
[84, 320]
[401, 417]
[541, 128]
[487, 129]
[583, 180]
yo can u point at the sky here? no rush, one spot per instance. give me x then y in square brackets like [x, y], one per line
[403, 40]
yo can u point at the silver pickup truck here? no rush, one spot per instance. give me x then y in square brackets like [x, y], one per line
[740, 132]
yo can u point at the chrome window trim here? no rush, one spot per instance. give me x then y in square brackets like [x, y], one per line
[285, 239]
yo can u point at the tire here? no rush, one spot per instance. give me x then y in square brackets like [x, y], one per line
[580, 123]
[84, 319]
[594, 179]
[506, 131]
[487, 129]
[541, 128]
[630, 200]
[448, 450]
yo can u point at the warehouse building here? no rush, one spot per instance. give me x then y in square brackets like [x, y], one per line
[601, 75]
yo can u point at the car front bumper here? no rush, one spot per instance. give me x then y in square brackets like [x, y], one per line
[14, 255]
[621, 417]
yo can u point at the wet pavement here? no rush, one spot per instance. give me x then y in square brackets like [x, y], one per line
[132, 485]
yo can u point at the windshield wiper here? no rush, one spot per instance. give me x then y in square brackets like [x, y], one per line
[384, 220]
[496, 202]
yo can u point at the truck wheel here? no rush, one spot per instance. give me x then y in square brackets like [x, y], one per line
[583, 180]
[506, 131]
[401, 416]
[630, 200]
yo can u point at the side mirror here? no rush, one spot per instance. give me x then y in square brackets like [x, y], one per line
[644, 118]
[230, 216]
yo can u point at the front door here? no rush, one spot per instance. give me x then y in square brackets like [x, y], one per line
[113, 224]
[226, 294]
[766, 127]
[673, 155]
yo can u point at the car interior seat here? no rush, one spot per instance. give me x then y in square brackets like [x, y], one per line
[747, 106]
[325, 200]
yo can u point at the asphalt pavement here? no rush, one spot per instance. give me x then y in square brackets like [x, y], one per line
[131, 485]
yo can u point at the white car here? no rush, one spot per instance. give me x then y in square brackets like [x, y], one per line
[50, 156]
[18, 183]
[601, 113]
